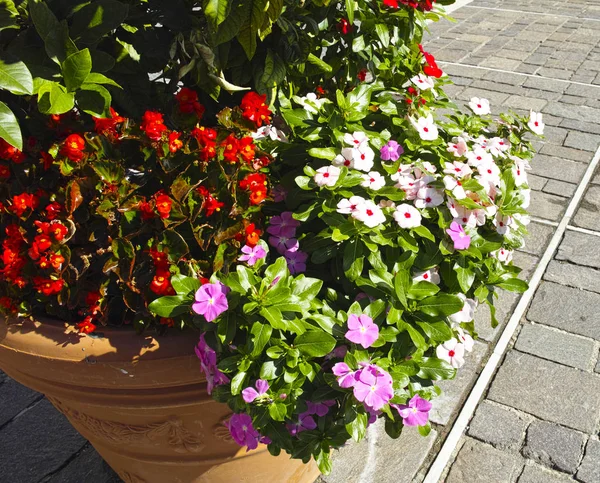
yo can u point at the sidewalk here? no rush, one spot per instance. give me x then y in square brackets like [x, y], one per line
[539, 418]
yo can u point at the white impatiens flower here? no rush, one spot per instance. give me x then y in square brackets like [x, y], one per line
[428, 197]
[340, 160]
[427, 168]
[348, 206]
[270, 132]
[498, 146]
[458, 147]
[481, 107]
[526, 197]
[465, 339]
[426, 128]
[362, 157]
[519, 173]
[479, 156]
[369, 213]
[535, 122]
[430, 275]
[403, 170]
[502, 223]
[409, 185]
[503, 255]
[457, 169]
[373, 180]
[407, 216]
[327, 176]
[423, 82]
[453, 185]
[356, 138]
[467, 313]
[489, 172]
[451, 351]
[311, 102]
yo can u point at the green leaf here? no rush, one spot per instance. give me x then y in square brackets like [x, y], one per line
[94, 100]
[422, 289]
[465, 277]
[435, 369]
[514, 285]
[315, 343]
[273, 72]
[436, 331]
[9, 127]
[54, 99]
[357, 426]
[237, 383]
[278, 411]
[254, 15]
[15, 77]
[8, 15]
[76, 68]
[185, 285]
[96, 19]
[216, 11]
[402, 286]
[261, 334]
[171, 305]
[323, 153]
[417, 338]
[441, 305]
[96, 78]
[122, 249]
[320, 64]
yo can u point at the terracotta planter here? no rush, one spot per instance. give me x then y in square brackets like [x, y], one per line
[141, 402]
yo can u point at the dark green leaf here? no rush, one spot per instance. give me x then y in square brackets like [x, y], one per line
[315, 343]
[435, 369]
[76, 68]
[97, 19]
[9, 127]
[441, 305]
[170, 306]
[95, 100]
[15, 77]
[185, 285]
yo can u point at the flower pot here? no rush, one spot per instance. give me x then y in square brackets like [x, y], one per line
[141, 402]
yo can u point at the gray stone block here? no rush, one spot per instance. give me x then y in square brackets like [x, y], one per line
[557, 168]
[588, 213]
[15, 398]
[567, 308]
[554, 446]
[548, 390]
[499, 426]
[381, 458]
[526, 262]
[544, 205]
[584, 278]
[36, 444]
[520, 102]
[505, 303]
[560, 188]
[479, 462]
[546, 84]
[87, 467]
[536, 183]
[567, 349]
[533, 473]
[580, 248]
[538, 238]
[589, 471]
[581, 126]
[581, 140]
[454, 392]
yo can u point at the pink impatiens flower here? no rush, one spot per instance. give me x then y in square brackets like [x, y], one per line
[242, 431]
[250, 394]
[461, 240]
[211, 301]
[416, 412]
[346, 377]
[391, 151]
[362, 330]
[305, 422]
[284, 225]
[252, 254]
[373, 387]
[320, 409]
[208, 365]
[296, 260]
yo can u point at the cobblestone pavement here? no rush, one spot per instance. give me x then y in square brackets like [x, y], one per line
[539, 421]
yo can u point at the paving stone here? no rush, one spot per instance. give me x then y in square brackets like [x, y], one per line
[479, 462]
[15, 398]
[555, 73]
[557, 168]
[580, 248]
[37, 444]
[381, 458]
[88, 466]
[499, 426]
[526, 262]
[455, 391]
[589, 471]
[533, 473]
[505, 78]
[554, 446]
[538, 238]
[583, 91]
[520, 102]
[505, 303]
[544, 205]
[577, 276]
[567, 308]
[567, 349]
[536, 183]
[583, 141]
[548, 390]
[588, 213]
[560, 188]
[585, 114]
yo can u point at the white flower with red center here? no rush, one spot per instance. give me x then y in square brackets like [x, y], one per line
[451, 351]
[481, 140]
[498, 146]
[457, 169]
[348, 206]
[362, 157]
[479, 156]
[327, 176]
[453, 206]
[503, 255]
[481, 107]
[426, 169]
[458, 147]
[423, 82]
[489, 172]
[403, 170]
[428, 197]
[465, 217]
[526, 198]
[409, 185]
[356, 139]
[503, 223]
[467, 313]
[340, 160]
[426, 128]
[373, 180]
[430, 275]
[519, 173]
[535, 122]
[523, 219]
[270, 132]
[311, 102]
[407, 216]
[465, 339]
[455, 187]
[369, 213]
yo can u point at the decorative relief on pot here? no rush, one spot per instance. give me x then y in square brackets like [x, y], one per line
[182, 440]
[222, 432]
[130, 477]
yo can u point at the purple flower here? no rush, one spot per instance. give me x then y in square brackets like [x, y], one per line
[252, 254]
[250, 394]
[373, 415]
[205, 353]
[346, 377]
[283, 244]
[461, 240]
[373, 386]
[362, 330]
[242, 431]
[391, 151]
[320, 409]
[305, 422]
[416, 412]
[284, 225]
[211, 301]
[296, 261]
[208, 365]
[279, 193]
[337, 353]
